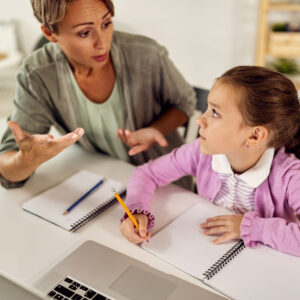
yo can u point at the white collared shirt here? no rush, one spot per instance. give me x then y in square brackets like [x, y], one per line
[238, 190]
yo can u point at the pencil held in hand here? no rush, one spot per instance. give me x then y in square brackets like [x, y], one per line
[131, 217]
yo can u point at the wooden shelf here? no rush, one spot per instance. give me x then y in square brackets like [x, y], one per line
[283, 44]
[276, 44]
[284, 7]
[283, 54]
[297, 84]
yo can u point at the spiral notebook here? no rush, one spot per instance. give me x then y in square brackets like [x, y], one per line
[232, 269]
[182, 244]
[51, 204]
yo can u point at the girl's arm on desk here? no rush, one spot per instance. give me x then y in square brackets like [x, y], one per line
[148, 177]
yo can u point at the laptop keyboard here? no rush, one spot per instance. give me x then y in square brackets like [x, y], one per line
[71, 289]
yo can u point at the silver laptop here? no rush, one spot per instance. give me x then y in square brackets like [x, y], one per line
[93, 271]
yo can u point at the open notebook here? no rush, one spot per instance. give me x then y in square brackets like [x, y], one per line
[51, 204]
[232, 269]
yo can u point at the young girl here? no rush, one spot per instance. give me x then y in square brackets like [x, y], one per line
[248, 162]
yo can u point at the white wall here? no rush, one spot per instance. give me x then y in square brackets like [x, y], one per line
[204, 38]
[26, 25]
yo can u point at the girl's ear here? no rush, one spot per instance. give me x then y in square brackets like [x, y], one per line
[50, 36]
[258, 136]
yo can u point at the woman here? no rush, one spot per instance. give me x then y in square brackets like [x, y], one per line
[93, 78]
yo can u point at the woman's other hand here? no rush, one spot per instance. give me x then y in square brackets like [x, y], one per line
[142, 139]
[227, 227]
[38, 148]
[130, 232]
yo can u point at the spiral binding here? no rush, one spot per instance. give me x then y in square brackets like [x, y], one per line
[227, 257]
[96, 211]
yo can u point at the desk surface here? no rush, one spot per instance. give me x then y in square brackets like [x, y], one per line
[30, 245]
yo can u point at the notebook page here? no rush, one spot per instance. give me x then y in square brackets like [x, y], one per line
[260, 273]
[182, 244]
[51, 204]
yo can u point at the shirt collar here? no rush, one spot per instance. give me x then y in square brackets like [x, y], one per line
[254, 176]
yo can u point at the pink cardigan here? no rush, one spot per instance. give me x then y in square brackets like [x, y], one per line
[277, 200]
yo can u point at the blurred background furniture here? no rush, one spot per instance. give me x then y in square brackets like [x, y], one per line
[10, 61]
[278, 39]
[191, 131]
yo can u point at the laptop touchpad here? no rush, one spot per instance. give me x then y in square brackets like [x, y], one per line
[136, 284]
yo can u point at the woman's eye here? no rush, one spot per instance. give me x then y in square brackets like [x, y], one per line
[105, 25]
[84, 34]
[215, 114]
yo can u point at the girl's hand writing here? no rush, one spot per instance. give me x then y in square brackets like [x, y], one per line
[38, 148]
[142, 139]
[227, 227]
[130, 232]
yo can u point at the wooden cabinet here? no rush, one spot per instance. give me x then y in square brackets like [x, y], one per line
[276, 44]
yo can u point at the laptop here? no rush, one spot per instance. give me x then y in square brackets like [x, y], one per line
[93, 271]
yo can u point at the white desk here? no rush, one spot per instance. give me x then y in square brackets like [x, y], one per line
[30, 245]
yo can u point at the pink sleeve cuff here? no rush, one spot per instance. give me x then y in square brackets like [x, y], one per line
[151, 218]
[247, 230]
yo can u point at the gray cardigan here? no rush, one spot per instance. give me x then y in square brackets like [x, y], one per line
[149, 84]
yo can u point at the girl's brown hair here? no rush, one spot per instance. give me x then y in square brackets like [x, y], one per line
[269, 99]
[51, 12]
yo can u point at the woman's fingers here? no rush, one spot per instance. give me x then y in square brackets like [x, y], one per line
[137, 149]
[18, 133]
[68, 139]
[131, 140]
[122, 136]
[38, 148]
[160, 139]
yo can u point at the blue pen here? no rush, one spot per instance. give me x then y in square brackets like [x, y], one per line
[83, 197]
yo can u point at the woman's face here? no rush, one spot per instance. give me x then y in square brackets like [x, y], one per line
[85, 33]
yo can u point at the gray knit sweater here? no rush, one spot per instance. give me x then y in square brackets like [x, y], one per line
[149, 84]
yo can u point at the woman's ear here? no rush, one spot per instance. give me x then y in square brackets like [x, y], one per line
[50, 35]
[259, 135]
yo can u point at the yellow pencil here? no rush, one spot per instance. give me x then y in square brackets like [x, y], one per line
[131, 217]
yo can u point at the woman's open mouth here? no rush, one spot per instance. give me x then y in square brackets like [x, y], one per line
[100, 58]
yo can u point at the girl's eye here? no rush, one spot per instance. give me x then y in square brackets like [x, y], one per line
[215, 114]
[84, 34]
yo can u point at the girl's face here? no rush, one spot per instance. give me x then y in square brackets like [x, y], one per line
[222, 129]
[85, 33]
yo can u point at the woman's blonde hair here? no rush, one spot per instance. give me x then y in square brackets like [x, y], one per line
[51, 12]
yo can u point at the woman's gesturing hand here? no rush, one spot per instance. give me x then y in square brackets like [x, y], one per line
[142, 139]
[38, 148]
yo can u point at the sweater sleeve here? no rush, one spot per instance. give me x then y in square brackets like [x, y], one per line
[31, 113]
[159, 172]
[276, 232]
